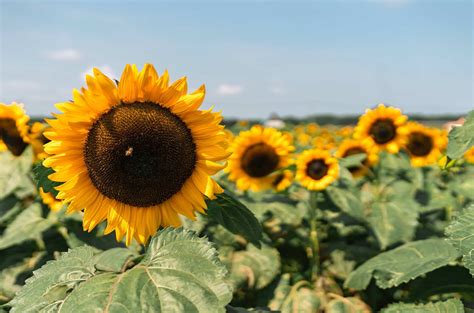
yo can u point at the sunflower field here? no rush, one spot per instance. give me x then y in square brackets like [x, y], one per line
[134, 199]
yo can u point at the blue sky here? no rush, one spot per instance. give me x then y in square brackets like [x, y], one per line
[255, 57]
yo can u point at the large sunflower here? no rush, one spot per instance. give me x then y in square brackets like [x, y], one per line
[136, 153]
[257, 153]
[316, 169]
[352, 147]
[424, 144]
[14, 127]
[383, 128]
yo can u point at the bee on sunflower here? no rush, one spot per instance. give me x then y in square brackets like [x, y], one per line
[316, 169]
[383, 128]
[424, 144]
[282, 180]
[137, 153]
[14, 127]
[256, 154]
[352, 147]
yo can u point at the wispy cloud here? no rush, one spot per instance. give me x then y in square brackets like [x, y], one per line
[106, 69]
[229, 89]
[64, 55]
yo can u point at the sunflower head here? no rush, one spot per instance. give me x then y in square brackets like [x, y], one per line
[49, 200]
[469, 155]
[136, 153]
[256, 154]
[316, 169]
[38, 140]
[352, 147]
[382, 127]
[424, 144]
[282, 180]
[14, 127]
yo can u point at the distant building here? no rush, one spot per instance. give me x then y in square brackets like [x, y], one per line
[449, 125]
[275, 121]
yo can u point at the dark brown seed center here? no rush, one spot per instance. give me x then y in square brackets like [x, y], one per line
[259, 160]
[419, 144]
[11, 136]
[317, 169]
[383, 130]
[140, 154]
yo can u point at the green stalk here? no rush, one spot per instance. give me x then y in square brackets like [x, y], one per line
[313, 237]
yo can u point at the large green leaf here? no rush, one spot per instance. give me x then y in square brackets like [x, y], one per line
[29, 224]
[235, 217]
[392, 222]
[400, 265]
[180, 272]
[42, 181]
[449, 306]
[461, 138]
[13, 170]
[346, 200]
[461, 234]
[347, 305]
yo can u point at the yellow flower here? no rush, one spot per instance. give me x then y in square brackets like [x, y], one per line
[48, 199]
[282, 180]
[303, 139]
[383, 128]
[14, 127]
[3, 147]
[136, 153]
[257, 153]
[38, 140]
[424, 144]
[312, 128]
[316, 169]
[469, 155]
[351, 147]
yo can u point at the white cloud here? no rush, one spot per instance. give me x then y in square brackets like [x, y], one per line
[107, 70]
[229, 90]
[65, 55]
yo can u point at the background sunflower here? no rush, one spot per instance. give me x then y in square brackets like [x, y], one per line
[351, 147]
[14, 127]
[316, 169]
[424, 144]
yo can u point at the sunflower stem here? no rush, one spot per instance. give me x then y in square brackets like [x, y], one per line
[313, 236]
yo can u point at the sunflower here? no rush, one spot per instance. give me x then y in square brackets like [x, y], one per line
[424, 144]
[3, 147]
[136, 153]
[351, 147]
[49, 200]
[282, 180]
[257, 153]
[383, 128]
[316, 169]
[38, 140]
[469, 155]
[14, 127]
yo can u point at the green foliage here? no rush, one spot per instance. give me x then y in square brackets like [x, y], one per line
[400, 265]
[461, 235]
[41, 174]
[461, 138]
[179, 273]
[14, 171]
[449, 306]
[235, 217]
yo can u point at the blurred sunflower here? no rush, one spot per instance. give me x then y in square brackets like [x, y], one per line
[257, 153]
[312, 128]
[14, 127]
[38, 140]
[383, 128]
[316, 169]
[469, 155]
[424, 144]
[136, 153]
[352, 147]
[49, 200]
[3, 147]
[282, 180]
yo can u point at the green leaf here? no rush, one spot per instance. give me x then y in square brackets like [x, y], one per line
[461, 138]
[460, 234]
[180, 272]
[392, 222]
[41, 174]
[347, 201]
[13, 170]
[235, 217]
[449, 306]
[114, 260]
[353, 160]
[253, 268]
[10, 206]
[347, 305]
[29, 224]
[402, 264]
